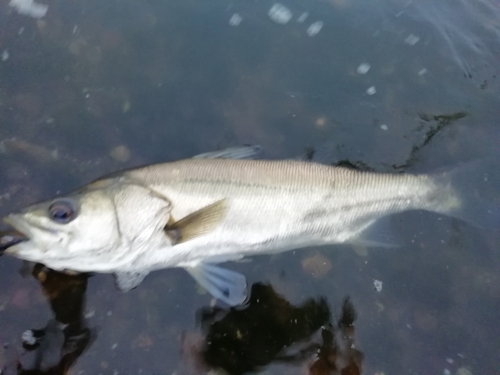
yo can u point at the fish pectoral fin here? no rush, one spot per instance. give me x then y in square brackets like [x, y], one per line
[126, 281]
[244, 152]
[378, 234]
[225, 285]
[197, 223]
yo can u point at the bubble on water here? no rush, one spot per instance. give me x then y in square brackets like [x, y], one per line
[29, 8]
[302, 17]
[363, 68]
[314, 28]
[371, 90]
[378, 285]
[412, 39]
[280, 14]
[235, 20]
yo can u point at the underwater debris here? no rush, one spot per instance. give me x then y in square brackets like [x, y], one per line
[317, 265]
[120, 153]
[378, 285]
[442, 121]
[23, 147]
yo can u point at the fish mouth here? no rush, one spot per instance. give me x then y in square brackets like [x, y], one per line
[16, 222]
[10, 238]
[22, 233]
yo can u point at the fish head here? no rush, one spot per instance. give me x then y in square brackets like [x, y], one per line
[66, 228]
[92, 230]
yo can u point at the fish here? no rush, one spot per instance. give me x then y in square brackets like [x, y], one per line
[218, 207]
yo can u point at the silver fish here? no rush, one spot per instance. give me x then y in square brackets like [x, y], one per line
[218, 207]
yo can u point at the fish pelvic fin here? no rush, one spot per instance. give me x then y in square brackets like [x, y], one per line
[225, 285]
[470, 193]
[197, 223]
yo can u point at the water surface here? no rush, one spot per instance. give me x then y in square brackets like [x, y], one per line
[95, 86]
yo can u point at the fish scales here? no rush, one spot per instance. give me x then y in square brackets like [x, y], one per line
[277, 205]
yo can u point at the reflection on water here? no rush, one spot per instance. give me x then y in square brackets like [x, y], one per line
[95, 86]
[473, 45]
[268, 329]
[271, 330]
[52, 350]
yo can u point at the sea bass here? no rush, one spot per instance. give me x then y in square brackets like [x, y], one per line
[222, 206]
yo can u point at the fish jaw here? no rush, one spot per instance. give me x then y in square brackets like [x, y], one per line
[27, 250]
[35, 249]
[15, 221]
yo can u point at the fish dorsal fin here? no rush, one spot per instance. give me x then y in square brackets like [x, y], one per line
[244, 152]
[197, 223]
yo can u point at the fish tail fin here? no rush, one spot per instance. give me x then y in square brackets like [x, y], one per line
[470, 192]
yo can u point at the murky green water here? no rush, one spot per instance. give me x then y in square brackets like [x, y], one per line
[95, 86]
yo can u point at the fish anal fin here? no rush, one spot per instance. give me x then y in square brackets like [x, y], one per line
[126, 281]
[197, 223]
[378, 234]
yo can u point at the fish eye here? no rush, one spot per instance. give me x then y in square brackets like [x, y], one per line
[62, 211]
